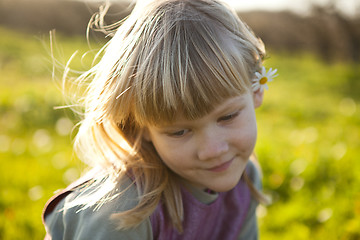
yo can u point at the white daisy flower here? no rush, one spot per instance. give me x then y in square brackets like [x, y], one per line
[261, 79]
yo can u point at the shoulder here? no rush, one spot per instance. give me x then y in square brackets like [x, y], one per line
[250, 228]
[253, 170]
[69, 217]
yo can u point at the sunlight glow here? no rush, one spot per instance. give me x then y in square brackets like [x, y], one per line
[350, 7]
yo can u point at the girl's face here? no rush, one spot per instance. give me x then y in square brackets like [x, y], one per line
[212, 151]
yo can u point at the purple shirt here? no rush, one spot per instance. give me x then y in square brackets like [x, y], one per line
[221, 219]
[228, 215]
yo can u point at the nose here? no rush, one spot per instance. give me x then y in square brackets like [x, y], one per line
[211, 145]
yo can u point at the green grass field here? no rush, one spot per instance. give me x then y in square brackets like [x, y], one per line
[308, 145]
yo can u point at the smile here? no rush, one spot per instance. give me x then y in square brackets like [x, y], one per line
[222, 167]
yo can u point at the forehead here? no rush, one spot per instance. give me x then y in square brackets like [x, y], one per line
[226, 107]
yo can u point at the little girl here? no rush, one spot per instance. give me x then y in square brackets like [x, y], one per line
[169, 127]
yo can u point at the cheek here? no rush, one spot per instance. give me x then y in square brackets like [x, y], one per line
[247, 136]
[176, 156]
[173, 160]
[168, 153]
[254, 132]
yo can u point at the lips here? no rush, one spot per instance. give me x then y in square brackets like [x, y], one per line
[222, 167]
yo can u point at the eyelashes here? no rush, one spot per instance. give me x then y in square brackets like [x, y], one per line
[179, 133]
[229, 117]
[183, 132]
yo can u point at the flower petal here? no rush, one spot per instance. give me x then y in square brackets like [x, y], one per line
[263, 71]
[258, 75]
[256, 87]
[270, 75]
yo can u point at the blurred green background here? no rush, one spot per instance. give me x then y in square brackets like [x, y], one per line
[309, 132]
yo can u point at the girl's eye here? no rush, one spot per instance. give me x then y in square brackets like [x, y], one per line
[178, 133]
[229, 117]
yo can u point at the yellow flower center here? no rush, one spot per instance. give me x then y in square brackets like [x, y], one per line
[263, 80]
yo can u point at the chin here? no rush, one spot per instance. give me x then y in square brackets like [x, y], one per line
[226, 185]
[228, 182]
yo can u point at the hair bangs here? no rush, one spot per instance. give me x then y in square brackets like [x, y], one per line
[197, 70]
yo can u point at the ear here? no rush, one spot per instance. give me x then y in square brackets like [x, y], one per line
[146, 134]
[258, 97]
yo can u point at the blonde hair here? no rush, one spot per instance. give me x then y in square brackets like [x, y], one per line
[165, 57]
